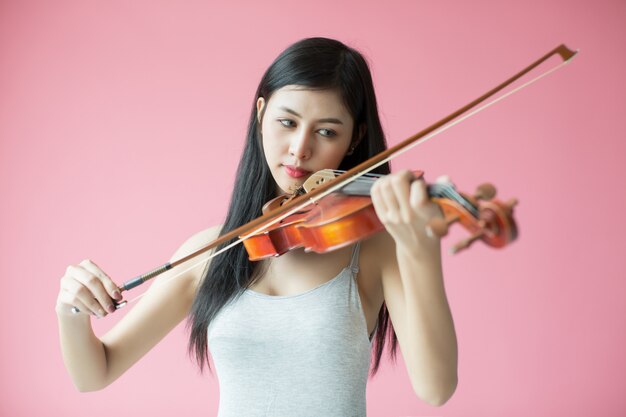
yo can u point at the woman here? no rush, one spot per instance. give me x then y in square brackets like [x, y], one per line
[291, 335]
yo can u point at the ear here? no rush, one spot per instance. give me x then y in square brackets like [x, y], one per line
[357, 140]
[260, 109]
[362, 130]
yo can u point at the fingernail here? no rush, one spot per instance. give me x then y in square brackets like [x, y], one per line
[117, 295]
[111, 308]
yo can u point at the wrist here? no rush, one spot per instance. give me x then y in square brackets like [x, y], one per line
[419, 247]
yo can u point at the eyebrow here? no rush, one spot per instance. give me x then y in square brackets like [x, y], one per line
[325, 120]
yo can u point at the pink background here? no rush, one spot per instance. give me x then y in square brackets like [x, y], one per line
[121, 124]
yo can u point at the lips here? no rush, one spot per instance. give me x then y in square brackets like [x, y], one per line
[296, 172]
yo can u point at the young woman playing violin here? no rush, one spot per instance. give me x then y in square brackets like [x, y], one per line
[292, 335]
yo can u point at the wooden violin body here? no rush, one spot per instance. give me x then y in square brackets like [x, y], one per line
[341, 219]
[338, 220]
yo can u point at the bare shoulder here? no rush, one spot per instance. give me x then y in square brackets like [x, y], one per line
[192, 244]
[200, 239]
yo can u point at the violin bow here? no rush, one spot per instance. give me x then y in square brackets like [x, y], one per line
[297, 203]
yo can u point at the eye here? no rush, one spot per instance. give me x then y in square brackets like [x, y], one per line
[327, 132]
[286, 122]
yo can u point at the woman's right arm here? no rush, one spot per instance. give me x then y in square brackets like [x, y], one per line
[94, 363]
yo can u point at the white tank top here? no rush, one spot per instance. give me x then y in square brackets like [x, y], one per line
[297, 355]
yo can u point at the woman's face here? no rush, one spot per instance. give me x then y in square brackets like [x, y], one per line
[303, 131]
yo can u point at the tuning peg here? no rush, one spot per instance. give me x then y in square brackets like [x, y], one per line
[485, 191]
[464, 244]
[439, 227]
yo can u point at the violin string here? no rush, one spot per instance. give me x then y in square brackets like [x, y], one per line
[451, 193]
[437, 189]
[356, 176]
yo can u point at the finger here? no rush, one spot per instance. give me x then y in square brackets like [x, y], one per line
[94, 285]
[419, 193]
[377, 199]
[80, 297]
[443, 179]
[388, 195]
[75, 294]
[110, 286]
[70, 300]
[401, 189]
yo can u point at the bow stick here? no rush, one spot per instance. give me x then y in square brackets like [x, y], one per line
[297, 203]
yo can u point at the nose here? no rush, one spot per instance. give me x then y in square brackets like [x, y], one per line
[301, 145]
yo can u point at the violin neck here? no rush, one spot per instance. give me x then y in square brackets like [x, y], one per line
[362, 187]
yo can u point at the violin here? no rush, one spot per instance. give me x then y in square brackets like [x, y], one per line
[487, 219]
[347, 216]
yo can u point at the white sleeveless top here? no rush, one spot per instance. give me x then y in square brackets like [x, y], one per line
[297, 355]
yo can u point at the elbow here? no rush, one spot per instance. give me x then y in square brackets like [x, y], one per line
[89, 386]
[440, 395]
[438, 400]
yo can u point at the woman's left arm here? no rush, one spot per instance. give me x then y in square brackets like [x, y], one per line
[413, 287]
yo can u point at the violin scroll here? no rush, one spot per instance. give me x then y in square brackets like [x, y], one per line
[486, 218]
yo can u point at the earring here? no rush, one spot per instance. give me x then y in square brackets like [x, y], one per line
[351, 150]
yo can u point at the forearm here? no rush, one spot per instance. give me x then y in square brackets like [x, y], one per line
[431, 352]
[83, 353]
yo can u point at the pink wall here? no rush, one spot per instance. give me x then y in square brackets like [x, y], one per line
[121, 125]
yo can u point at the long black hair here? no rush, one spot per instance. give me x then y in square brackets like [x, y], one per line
[316, 63]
